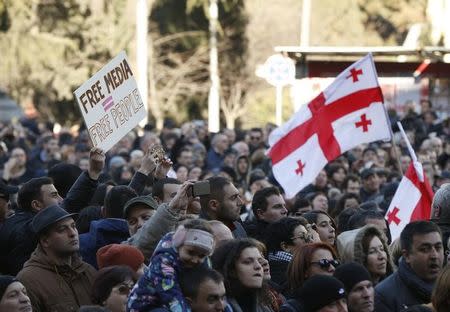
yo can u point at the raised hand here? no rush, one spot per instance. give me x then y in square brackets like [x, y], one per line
[181, 200]
[163, 168]
[96, 162]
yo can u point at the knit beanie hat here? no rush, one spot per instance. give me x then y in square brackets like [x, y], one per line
[351, 274]
[5, 281]
[120, 254]
[319, 291]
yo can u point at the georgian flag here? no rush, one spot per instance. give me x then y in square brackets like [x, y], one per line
[412, 200]
[347, 113]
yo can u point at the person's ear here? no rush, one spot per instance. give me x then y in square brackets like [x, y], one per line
[437, 212]
[159, 201]
[44, 241]
[405, 255]
[213, 205]
[259, 213]
[36, 205]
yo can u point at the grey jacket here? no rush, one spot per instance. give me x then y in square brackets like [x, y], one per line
[147, 237]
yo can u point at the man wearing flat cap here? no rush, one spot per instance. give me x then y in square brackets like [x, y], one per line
[55, 276]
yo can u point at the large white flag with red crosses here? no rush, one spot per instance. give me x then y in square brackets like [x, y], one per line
[412, 200]
[347, 113]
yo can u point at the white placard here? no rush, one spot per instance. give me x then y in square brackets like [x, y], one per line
[111, 103]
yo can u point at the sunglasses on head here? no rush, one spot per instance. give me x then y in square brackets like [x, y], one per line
[325, 263]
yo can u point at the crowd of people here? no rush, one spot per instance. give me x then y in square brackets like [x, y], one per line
[126, 230]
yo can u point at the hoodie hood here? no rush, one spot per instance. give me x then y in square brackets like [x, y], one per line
[41, 260]
[350, 246]
[108, 231]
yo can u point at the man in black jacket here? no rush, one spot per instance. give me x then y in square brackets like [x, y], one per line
[420, 265]
[17, 239]
[268, 206]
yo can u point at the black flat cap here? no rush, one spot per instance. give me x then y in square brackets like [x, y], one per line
[49, 216]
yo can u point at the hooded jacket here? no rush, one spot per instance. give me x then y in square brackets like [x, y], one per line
[402, 290]
[350, 247]
[56, 287]
[101, 233]
[159, 287]
[146, 238]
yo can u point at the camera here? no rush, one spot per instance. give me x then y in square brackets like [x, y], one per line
[201, 188]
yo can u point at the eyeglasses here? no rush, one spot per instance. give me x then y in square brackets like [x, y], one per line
[304, 236]
[325, 263]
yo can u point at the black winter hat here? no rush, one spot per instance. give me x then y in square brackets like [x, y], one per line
[321, 290]
[351, 274]
[5, 281]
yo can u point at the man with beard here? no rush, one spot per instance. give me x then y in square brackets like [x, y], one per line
[55, 277]
[224, 204]
[358, 286]
[420, 264]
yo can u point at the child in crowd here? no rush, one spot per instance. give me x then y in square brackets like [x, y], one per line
[187, 248]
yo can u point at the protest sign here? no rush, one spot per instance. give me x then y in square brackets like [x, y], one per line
[110, 103]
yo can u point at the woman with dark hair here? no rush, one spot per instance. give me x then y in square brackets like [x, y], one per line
[239, 262]
[309, 260]
[336, 175]
[367, 246]
[325, 225]
[318, 200]
[112, 286]
[282, 238]
[243, 169]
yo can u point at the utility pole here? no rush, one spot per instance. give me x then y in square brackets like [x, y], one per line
[306, 18]
[142, 51]
[214, 91]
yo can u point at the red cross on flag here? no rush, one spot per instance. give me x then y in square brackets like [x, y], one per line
[347, 113]
[411, 202]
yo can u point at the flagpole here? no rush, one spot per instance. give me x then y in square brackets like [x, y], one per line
[394, 146]
[387, 117]
[408, 144]
[416, 163]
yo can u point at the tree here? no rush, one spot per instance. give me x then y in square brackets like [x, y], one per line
[52, 47]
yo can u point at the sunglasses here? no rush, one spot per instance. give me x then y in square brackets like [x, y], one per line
[325, 263]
